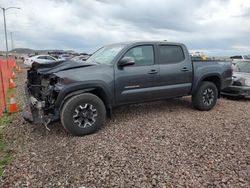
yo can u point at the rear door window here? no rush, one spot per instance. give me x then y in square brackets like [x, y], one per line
[170, 54]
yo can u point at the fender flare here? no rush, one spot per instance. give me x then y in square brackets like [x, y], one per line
[198, 82]
[78, 88]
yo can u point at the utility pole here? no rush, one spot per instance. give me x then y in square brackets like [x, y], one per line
[6, 54]
[5, 28]
[5, 31]
[12, 41]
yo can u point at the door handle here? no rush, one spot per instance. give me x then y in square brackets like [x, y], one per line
[184, 69]
[153, 71]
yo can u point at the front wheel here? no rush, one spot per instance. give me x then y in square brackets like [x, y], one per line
[205, 97]
[83, 114]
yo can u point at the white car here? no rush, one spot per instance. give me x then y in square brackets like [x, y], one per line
[39, 59]
[64, 57]
[238, 58]
[80, 58]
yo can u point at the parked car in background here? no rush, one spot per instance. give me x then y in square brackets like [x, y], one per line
[237, 58]
[31, 55]
[80, 58]
[241, 81]
[24, 56]
[56, 53]
[39, 59]
[81, 94]
[64, 57]
[199, 56]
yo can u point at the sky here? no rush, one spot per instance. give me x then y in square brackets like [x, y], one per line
[216, 27]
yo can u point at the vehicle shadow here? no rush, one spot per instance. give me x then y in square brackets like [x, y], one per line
[167, 105]
[239, 99]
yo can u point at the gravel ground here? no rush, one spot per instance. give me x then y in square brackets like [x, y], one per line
[160, 144]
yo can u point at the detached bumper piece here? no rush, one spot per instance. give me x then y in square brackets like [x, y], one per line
[33, 110]
[237, 91]
[26, 113]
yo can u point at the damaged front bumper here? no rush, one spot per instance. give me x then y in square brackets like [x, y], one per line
[42, 89]
[33, 110]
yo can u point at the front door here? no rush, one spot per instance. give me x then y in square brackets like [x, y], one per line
[134, 83]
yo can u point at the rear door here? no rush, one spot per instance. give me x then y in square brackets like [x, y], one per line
[134, 83]
[175, 71]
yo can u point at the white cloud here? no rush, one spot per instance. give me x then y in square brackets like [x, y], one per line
[218, 27]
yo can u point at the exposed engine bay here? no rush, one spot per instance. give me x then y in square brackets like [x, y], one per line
[42, 94]
[41, 90]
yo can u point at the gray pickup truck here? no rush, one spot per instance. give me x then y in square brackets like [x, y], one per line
[81, 95]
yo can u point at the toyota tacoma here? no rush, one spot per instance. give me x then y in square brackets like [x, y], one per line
[83, 94]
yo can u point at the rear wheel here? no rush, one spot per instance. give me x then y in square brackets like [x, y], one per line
[83, 114]
[205, 97]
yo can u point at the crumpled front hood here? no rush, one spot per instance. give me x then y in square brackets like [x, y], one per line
[54, 67]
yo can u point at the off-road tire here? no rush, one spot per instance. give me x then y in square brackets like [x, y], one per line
[198, 96]
[69, 108]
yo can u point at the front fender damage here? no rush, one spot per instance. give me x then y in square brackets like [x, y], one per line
[44, 83]
[40, 93]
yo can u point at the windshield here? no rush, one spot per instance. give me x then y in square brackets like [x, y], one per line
[106, 54]
[243, 66]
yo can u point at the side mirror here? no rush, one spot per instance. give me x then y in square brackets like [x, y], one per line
[126, 61]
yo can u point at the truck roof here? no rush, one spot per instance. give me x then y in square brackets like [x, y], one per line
[146, 42]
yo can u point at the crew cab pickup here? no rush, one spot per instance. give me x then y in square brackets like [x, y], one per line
[81, 95]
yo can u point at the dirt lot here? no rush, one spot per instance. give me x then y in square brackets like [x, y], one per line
[160, 144]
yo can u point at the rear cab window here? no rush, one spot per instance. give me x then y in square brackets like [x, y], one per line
[169, 54]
